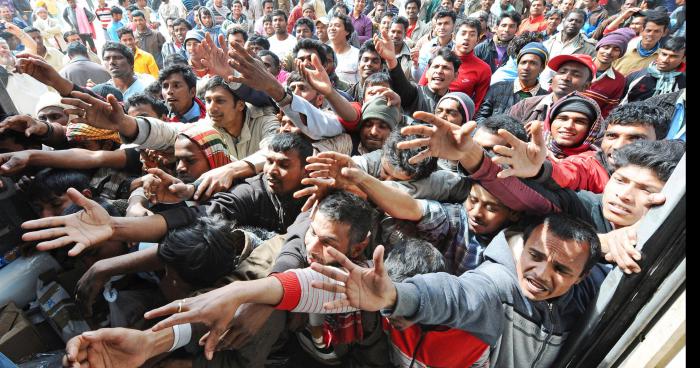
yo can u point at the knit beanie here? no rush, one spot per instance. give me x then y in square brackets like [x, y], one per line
[619, 38]
[377, 108]
[211, 143]
[535, 48]
[576, 104]
[465, 103]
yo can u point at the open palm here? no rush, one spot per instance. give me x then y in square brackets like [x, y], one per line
[95, 112]
[107, 348]
[523, 158]
[442, 140]
[214, 58]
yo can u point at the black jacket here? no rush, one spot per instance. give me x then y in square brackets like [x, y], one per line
[487, 52]
[641, 85]
[500, 99]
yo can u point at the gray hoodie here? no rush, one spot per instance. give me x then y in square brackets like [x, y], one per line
[488, 303]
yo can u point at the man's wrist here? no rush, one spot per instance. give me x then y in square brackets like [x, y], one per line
[392, 63]
[159, 342]
[129, 127]
[278, 93]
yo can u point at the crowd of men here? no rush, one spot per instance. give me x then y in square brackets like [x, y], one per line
[403, 183]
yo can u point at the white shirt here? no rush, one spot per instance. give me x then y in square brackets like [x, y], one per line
[346, 69]
[282, 48]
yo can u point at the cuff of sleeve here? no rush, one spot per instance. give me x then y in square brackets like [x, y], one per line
[545, 172]
[407, 301]
[144, 131]
[487, 171]
[292, 290]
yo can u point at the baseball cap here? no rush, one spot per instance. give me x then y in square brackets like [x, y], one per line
[194, 34]
[584, 59]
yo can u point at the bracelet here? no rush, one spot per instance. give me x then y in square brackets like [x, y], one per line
[182, 336]
[49, 131]
[286, 100]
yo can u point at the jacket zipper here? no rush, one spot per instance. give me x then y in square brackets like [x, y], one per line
[549, 336]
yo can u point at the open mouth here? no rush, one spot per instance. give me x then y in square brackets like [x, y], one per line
[618, 209]
[535, 287]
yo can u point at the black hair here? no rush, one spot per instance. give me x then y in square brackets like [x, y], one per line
[120, 48]
[259, 41]
[104, 89]
[411, 257]
[449, 56]
[335, 11]
[554, 11]
[520, 41]
[275, 58]
[578, 11]
[268, 1]
[145, 99]
[285, 142]
[237, 30]
[184, 70]
[347, 24]
[417, 2]
[279, 13]
[505, 122]
[390, 14]
[124, 30]
[377, 79]
[138, 13]
[307, 22]
[77, 48]
[30, 29]
[567, 227]
[674, 44]
[116, 10]
[368, 46]
[446, 13]
[636, 113]
[204, 251]
[311, 44]
[267, 18]
[68, 34]
[53, 182]
[217, 81]
[398, 158]
[294, 77]
[657, 17]
[661, 157]
[19, 138]
[182, 21]
[348, 208]
[512, 15]
[175, 59]
[154, 90]
[471, 23]
[400, 20]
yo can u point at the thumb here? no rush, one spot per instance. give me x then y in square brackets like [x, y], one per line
[537, 136]
[655, 199]
[316, 62]
[378, 257]
[114, 103]
[102, 335]
[79, 199]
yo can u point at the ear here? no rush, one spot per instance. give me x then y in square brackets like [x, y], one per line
[514, 216]
[357, 248]
[87, 193]
[240, 105]
[193, 91]
[319, 100]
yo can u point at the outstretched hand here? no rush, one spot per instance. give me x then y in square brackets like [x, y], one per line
[213, 57]
[619, 247]
[317, 78]
[36, 67]
[442, 140]
[369, 289]
[24, 124]
[252, 72]
[161, 187]
[385, 48]
[329, 170]
[85, 229]
[93, 111]
[523, 158]
[108, 348]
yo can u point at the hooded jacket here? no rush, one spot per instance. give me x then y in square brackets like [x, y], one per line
[594, 131]
[488, 303]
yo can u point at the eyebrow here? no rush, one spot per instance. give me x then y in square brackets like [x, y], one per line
[326, 238]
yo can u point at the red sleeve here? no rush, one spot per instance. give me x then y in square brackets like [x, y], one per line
[482, 88]
[351, 126]
[296, 14]
[580, 172]
[292, 290]
[423, 80]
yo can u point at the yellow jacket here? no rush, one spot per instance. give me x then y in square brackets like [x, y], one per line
[145, 63]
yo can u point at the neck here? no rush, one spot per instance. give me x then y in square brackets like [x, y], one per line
[340, 45]
[567, 37]
[234, 126]
[444, 40]
[41, 50]
[529, 84]
[646, 47]
[123, 83]
[412, 22]
[601, 66]
[356, 12]
[398, 48]
[187, 108]
[282, 36]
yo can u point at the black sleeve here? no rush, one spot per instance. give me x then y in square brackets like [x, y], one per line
[87, 90]
[406, 90]
[133, 161]
[293, 253]
[182, 216]
[486, 108]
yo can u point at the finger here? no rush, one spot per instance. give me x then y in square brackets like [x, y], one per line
[318, 166]
[55, 244]
[512, 140]
[320, 174]
[202, 188]
[43, 223]
[304, 192]
[321, 160]
[333, 155]
[422, 155]
[73, 348]
[537, 135]
[418, 129]
[504, 151]
[431, 118]
[211, 342]
[413, 143]
[632, 243]
[337, 304]
[165, 310]
[655, 199]
[177, 319]
[506, 173]
[80, 200]
[310, 203]
[378, 258]
[77, 249]
[342, 259]
[50, 233]
[330, 287]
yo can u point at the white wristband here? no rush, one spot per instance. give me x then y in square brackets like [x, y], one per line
[182, 336]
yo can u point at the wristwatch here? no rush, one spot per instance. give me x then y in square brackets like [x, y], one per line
[286, 100]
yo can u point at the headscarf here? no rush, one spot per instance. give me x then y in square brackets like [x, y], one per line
[79, 132]
[210, 143]
[465, 103]
[575, 101]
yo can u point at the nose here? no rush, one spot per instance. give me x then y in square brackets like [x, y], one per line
[181, 167]
[625, 193]
[374, 131]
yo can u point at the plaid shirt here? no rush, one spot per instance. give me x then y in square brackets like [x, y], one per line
[445, 225]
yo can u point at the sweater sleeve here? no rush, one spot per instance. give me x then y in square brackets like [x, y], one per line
[318, 125]
[400, 84]
[580, 173]
[300, 297]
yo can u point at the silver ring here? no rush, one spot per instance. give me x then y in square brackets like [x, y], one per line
[179, 306]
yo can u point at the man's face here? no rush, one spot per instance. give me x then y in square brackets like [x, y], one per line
[128, 40]
[236, 38]
[360, 4]
[207, 20]
[73, 38]
[608, 54]
[140, 23]
[169, 25]
[444, 27]
[487, 140]
[571, 76]
[485, 213]
[42, 14]
[553, 22]
[268, 8]
[287, 125]
[569, 128]
[566, 5]
[529, 68]
[304, 55]
[573, 24]
[412, 12]
[321, 31]
[117, 65]
[448, 109]
[397, 33]
[254, 48]
[52, 206]
[36, 36]
[590, 4]
[71, 3]
[283, 171]
[180, 31]
[5, 13]
[637, 24]
[447, 4]
[279, 24]
[370, 63]
[625, 195]
[309, 13]
[617, 136]
[385, 24]
[549, 266]
[190, 45]
[324, 234]
[143, 110]
[669, 60]
[465, 40]
[374, 133]
[506, 30]
[486, 4]
[220, 105]
[440, 74]
[651, 34]
[628, 4]
[392, 173]
[53, 114]
[303, 31]
[268, 28]
[270, 65]
[536, 8]
[176, 94]
[380, 8]
[336, 30]
[117, 17]
[6, 57]
[190, 161]
[237, 9]
[375, 90]
[504, 4]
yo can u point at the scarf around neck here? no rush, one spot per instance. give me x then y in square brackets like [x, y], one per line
[665, 81]
[646, 53]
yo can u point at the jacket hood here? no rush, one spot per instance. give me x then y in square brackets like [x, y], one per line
[594, 131]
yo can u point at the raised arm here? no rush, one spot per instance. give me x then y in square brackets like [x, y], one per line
[399, 83]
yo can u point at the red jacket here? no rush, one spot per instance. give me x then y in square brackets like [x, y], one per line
[580, 172]
[607, 92]
[473, 78]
